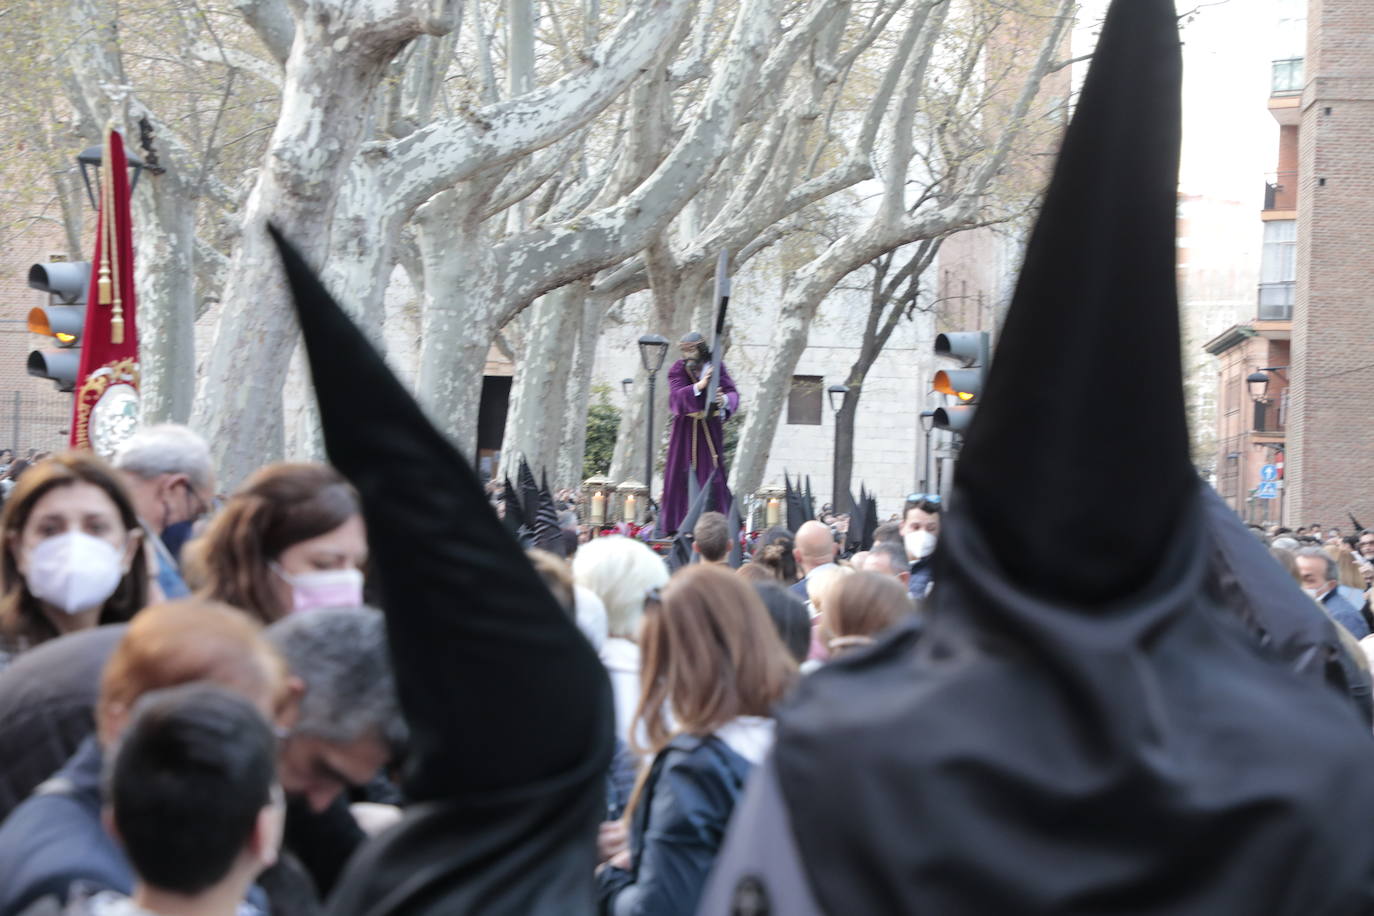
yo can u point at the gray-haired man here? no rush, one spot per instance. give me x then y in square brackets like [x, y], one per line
[171, 479]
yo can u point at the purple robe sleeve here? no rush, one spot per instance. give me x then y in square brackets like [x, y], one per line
[727, 388]
[682, 396]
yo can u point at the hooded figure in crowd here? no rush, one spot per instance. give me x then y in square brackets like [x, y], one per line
[1144, 721]
[508, 706]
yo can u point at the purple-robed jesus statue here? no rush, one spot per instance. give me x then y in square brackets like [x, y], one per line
[697, 443]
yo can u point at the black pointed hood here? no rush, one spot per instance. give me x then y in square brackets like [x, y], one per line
[1085, 394]
[514, 515]
[736, 558]
[478, 642]
[1097, 730]
[680, 554]
[796, 512]
[529, 494]
[547, 534]
[870, 521]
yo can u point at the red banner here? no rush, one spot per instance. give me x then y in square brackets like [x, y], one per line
[106, 408]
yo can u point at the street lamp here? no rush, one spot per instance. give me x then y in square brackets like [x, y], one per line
[1258, 382]
[652, 349]
[837, 393]
[90, 160]
[927, 424]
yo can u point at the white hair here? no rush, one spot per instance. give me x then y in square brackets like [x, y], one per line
[591, 616]
[167, 448]
[621, 571]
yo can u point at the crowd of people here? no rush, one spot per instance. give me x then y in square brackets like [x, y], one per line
[211, 717]
[190, 682]
[350, 689]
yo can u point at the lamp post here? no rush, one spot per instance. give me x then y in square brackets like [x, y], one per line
[652, 349]
[927, 424]
[836, 394]
[1257, 383]
[90, 160]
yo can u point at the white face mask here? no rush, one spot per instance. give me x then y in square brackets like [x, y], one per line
[919, 544]
[325, 588]
[1312, 592]
[74, 571]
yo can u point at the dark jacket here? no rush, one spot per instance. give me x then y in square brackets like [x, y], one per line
[919, 583]
[55, 838]
[676, 829]
[47, 707]
[55, 842]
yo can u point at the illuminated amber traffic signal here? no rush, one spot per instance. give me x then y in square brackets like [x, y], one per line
[966, 384]
[63, 319]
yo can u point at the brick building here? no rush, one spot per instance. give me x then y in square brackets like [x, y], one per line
[1310, 338]
[1331, 454]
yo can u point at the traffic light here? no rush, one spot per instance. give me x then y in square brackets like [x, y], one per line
[63, 319]
[965, 384]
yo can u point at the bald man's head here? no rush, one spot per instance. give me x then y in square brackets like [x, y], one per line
[815, 546]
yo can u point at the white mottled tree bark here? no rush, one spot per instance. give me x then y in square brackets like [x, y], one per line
[164, 205]
[464, 308]
[339, 56]
[898, 221]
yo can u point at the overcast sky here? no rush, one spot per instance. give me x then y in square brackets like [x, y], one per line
[1230, 140]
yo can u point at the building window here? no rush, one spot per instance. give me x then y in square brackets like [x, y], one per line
[804, 400]
[1278, 270]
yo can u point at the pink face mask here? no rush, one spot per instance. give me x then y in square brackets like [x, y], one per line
[325, 588]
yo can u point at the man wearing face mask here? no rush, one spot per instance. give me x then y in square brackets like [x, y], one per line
[170, 476]
[1319, 577]
[920, 532]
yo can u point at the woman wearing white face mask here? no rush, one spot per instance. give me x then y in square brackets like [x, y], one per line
[73, 553]
[291, 539]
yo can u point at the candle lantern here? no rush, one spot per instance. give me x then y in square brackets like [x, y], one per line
[772, 499]
[632, 502]
[591, 508]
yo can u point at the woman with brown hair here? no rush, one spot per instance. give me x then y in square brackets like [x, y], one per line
[713, 669]
[859, 607]
[291, 539]
[73, 554]
[774, 552]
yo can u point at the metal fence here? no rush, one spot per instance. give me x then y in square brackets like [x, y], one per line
[33, 413]
[29, 420]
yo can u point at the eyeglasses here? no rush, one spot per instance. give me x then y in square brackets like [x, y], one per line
[923, 497]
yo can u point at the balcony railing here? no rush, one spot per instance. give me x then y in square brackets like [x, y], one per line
[1287, 76]
[1276, 301]
[1268, 418]
[1281, 190]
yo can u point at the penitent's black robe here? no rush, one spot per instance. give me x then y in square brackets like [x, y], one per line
[508, 706]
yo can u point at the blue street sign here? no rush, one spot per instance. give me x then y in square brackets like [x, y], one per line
[1268, 489]
[1269, 472]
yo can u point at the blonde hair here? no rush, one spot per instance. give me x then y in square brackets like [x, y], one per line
[621, 572]
[861, 606]
[1347, 571]
[822, 582]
